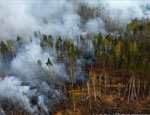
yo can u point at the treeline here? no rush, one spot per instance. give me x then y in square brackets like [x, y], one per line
[128, 50]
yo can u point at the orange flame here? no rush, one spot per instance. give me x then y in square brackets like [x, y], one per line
[67, 91]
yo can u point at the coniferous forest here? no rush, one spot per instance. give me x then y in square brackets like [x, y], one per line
[88, 61]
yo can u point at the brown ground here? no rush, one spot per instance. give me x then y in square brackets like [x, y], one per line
[110, 101]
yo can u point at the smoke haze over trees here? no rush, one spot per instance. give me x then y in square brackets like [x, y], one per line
[34, 33]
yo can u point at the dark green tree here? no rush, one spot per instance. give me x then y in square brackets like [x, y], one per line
[49, 64]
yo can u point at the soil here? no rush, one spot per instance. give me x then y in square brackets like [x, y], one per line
[112, 99]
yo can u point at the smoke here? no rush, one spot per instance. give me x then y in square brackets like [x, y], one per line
[15, 20]
[21, 96]
[122, 11]
[25, 81]
[16, 93]
[31, 82]
[61, 18]
[98, 25]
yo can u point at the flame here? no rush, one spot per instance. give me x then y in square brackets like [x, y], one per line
[67, 91]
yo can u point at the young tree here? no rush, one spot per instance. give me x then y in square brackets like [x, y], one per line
[40, 64]
[10, 45]
[82, 42]
[44, 38]
[99, 39]
[107, 47]
[4, 50]
[117, 51]
[95, 48]
[50, 41]
[65, 49]
[49, 64]
[42, 44]
[72, 53]
[18, 40]
[58, 47]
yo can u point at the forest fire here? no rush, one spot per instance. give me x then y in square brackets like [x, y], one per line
[74, 57]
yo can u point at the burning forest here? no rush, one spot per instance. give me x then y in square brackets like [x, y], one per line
[74, 57]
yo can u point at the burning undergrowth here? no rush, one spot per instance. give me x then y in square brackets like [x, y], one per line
[34, 69]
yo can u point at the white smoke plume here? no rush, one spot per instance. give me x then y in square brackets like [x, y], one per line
[16, 93]
[61, 18]
[66, 18]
